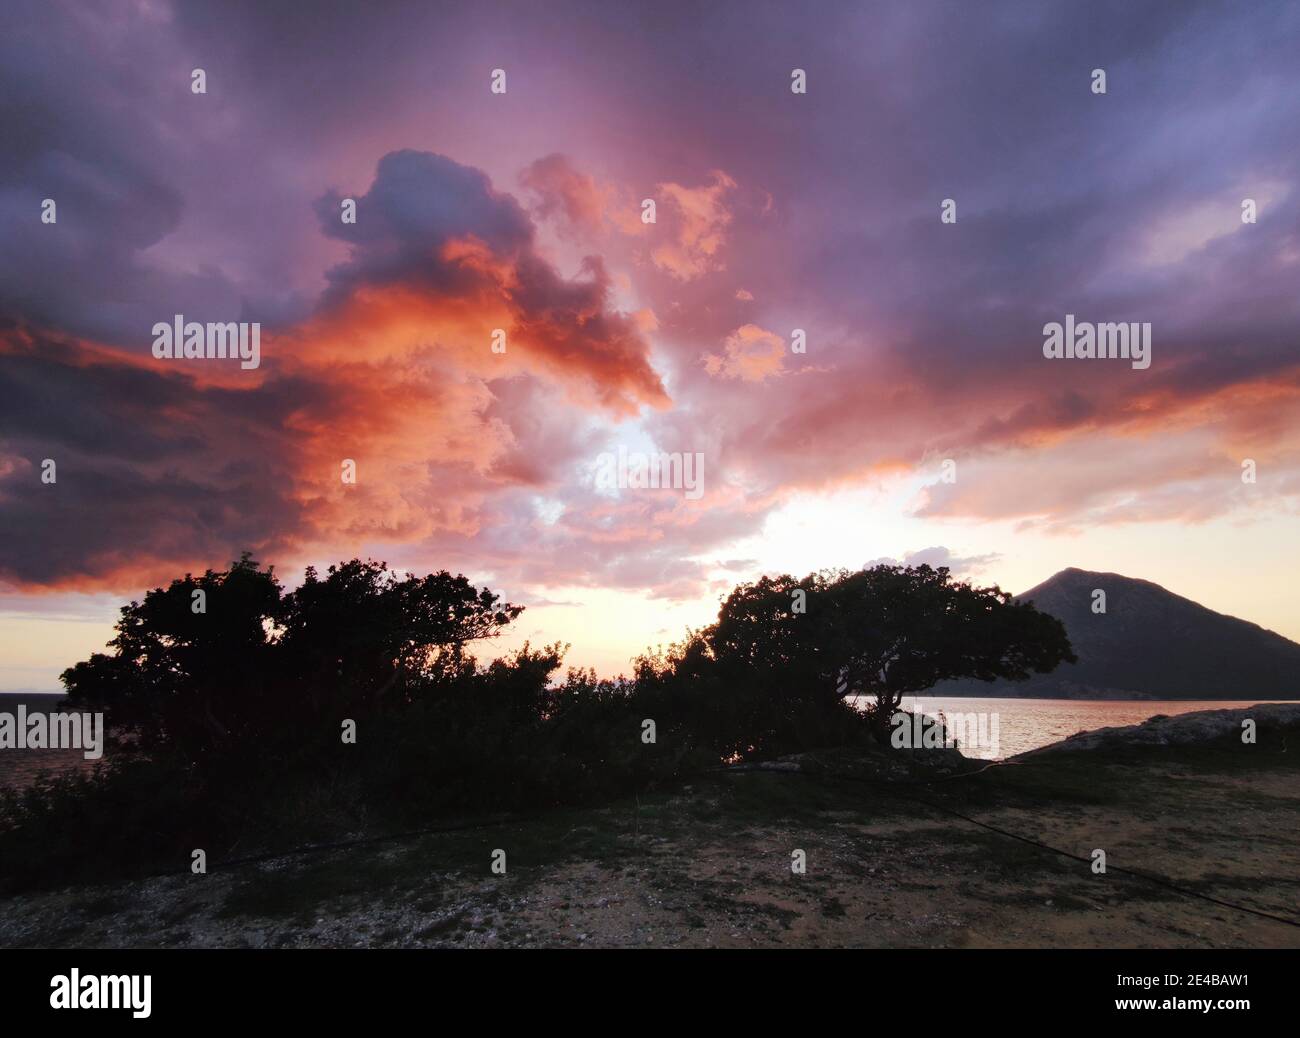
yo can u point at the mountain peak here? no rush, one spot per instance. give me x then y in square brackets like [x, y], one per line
[1138, 639]
[1073, 575]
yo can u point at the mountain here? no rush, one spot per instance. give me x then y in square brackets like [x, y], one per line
[1148, 644]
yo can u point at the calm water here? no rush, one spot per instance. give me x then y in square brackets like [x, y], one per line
[1023, 724]
[19, 767]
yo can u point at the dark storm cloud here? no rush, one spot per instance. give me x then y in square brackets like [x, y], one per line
[92, 111]
[417, 204]
[149, 466]
[433, 225]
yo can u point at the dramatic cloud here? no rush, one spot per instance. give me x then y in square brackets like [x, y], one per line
[395, 373]
[774, 212]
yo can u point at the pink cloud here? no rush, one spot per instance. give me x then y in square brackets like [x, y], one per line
[751, 354]
[696, 224]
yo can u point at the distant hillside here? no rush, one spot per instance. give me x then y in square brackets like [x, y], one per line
[1149, 644]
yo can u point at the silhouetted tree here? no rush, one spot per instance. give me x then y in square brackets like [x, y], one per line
[363, 636]
[882, 632]
[187, 662]
[253, 663]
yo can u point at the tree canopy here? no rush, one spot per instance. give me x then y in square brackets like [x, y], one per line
[882, 632]
[215, 660]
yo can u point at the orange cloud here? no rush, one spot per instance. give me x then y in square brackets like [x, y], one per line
[186, 464]
[698, 220]
[750, 353]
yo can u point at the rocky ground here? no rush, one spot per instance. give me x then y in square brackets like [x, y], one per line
[895, 858]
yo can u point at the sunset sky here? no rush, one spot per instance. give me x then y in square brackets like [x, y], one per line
[522, 210]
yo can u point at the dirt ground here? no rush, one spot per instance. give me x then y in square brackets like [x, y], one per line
[709, 865]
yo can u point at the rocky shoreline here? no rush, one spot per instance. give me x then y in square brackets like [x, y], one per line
[1198, 727]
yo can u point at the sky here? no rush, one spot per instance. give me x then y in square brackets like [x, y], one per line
[917, 420]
